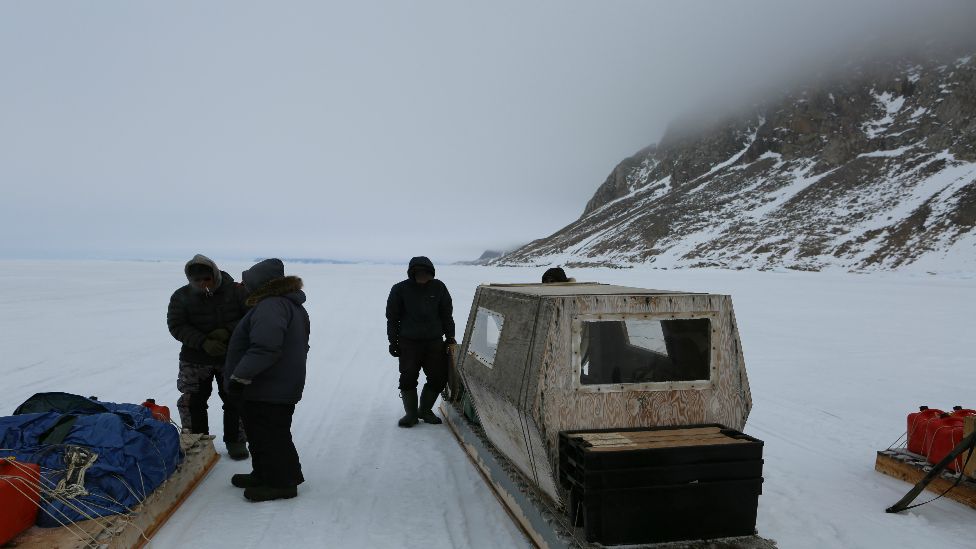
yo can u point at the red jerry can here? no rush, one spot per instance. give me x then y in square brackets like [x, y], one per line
[945, 437]
[159, 412]
[930, 428]
[19, 496]
[959, 411]
[916, 427]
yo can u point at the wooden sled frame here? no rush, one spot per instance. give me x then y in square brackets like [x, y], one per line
[912, 468]
[134, 530]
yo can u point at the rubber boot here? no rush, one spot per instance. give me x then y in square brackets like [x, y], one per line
[237, 450]
[245, 480]
[410, 407]
[425, 412]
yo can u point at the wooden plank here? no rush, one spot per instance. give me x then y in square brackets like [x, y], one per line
[908, 468]
[676, 440]
[670, 444]
[136, 529]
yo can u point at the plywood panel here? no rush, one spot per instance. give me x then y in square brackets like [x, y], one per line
[576, 288]
[516, 436]
[563, 407]
[645, 435]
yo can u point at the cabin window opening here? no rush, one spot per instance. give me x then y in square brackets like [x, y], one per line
[485, 336]
[644, 351]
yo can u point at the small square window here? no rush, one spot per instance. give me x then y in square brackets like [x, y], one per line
[485, 336]
[644, 351]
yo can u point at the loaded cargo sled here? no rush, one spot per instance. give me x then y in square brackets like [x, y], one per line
[94, 474]
[604, 415]
[937, 455]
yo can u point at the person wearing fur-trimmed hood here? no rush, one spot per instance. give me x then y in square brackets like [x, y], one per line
[266, 365]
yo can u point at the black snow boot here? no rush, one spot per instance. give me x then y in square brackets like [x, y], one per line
[244, 480]
[237, 450]
[425, 412]
[410, 407]
[268, 493]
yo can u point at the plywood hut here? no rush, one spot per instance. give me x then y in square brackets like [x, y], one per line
[538, 359]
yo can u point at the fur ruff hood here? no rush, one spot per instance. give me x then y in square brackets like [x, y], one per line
[274, 288]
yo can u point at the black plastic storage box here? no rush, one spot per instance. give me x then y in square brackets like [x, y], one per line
[648, 485]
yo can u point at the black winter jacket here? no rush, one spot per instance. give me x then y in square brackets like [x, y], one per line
[269, 348]
[193, 314]
[415, 311]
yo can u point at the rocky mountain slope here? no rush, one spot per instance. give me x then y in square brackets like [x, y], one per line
[872, 171]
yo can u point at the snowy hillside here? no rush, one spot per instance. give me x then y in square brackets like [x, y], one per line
[875, 171]
[832, 375]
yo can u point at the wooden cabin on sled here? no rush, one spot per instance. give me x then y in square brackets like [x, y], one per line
[568, 395]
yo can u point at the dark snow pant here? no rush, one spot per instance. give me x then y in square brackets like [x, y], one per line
[423, 354]
[195, 384]
[274, 458]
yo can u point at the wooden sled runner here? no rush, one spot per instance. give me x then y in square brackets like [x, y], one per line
[136, 529]
[913, 468]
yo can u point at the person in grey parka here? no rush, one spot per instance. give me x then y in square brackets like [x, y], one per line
[266, 358]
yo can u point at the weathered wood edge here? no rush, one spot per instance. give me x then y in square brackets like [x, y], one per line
[524, 514]
[185, 492]
[888, 463]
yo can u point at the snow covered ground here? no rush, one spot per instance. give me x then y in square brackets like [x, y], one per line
[835, 362]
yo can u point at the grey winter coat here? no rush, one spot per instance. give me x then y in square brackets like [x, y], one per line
[269, 348]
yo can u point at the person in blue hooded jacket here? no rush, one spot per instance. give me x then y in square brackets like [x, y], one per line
[419, 315]
[265, 369]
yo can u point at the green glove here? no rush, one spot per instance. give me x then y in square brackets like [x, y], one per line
[220, 334]
[214, 348]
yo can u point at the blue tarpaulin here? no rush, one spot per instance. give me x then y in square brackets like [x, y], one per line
[135, 453]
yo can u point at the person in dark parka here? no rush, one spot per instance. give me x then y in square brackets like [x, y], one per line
[202, 315]
[266, 364]
[555, 275]
[419, 313]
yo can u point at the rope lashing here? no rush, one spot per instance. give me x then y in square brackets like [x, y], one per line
[78, 459]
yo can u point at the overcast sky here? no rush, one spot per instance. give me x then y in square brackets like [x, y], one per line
[364, 130]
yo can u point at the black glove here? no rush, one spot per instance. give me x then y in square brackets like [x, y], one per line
[214, 347]
[220, 334]
[449, 345]
[394, 349]
[235, 388]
